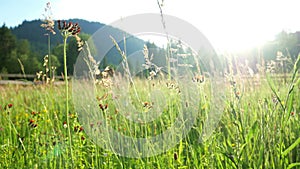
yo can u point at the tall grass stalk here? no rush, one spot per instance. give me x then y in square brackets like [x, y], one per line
[65, 36]
[168, 54]
[25, 146]
[67, 30]
[126, 66]
[49, 54]
[48, 25]
[286, 107]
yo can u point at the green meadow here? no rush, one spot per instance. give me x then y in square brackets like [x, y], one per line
[225, 112]
[258, 128]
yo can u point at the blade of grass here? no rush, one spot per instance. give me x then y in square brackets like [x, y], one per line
[291, 147]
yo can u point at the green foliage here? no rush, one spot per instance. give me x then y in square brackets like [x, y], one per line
[12, 49]
[259, 127]
[33, 36]
[249, 134]
[7, 45]
[32, 31]
[58, 52]
[23, 47]
[285, 42]
[72, 52]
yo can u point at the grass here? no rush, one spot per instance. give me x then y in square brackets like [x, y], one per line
[40, 127]
[254, 131]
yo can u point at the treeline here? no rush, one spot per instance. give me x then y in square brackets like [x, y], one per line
[18, 56]
[28, 45]
[37, 36]
[23, 48]
[276, 56]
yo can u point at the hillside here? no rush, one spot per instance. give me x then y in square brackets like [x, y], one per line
[35, 34]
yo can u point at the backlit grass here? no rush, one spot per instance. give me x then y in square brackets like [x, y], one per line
[254, 131]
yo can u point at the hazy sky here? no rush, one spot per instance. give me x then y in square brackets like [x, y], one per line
[228, 24]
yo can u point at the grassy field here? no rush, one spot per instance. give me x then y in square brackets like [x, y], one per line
[259, 128]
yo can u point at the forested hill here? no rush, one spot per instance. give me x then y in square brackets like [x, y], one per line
[35, 34]
[27, 44]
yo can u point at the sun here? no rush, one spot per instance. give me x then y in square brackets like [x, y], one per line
[239, 40]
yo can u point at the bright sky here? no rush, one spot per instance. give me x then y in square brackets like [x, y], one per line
[229, 25]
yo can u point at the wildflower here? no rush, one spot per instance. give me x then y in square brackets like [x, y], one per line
[102, 97]
[65, 124]
[9, 105]
[80, 43]
[31, 121]
[147, 105]
[76, 128]
[237, 94]
[82, 138]
[71, 115]
[32, 124]
[46, 60]
[292, 113]
[34, 113]
[48, 24]
[175, 156]
[104, 74]
[152, 75]
[173, 85]
[103, 107]
[106, 82]
[198, 78]
[68, 29]
[170, 85]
